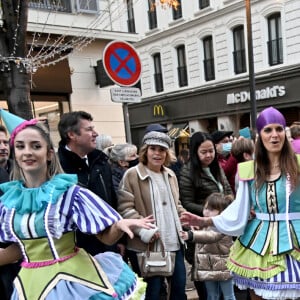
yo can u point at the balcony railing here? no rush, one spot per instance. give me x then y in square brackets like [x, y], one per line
[203, 3]
[209, 69]
[275, 52]
[152, 19]
[131, 25]
[239, 61]
[159, 86]
[62, 5]
[182, 76]
[177, 13]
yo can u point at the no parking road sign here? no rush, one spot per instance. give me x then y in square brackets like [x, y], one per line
[122, 63]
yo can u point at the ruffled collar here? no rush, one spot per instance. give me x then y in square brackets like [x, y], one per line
[28, 200]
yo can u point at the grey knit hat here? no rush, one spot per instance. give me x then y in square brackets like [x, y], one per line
[157, 139]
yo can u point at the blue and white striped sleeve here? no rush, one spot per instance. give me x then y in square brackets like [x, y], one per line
[91, 214]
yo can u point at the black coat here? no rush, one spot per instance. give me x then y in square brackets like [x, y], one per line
[97, 177]
[193, 194]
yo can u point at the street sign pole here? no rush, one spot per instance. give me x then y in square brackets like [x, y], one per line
[253, 113]
[123, 65]
[127, 123]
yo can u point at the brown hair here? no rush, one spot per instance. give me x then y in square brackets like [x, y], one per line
[295, 130]
[143, 156]
[241, 146]
[70, 122]
[218, 201]
[288, 163]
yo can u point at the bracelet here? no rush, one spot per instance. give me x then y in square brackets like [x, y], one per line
[190, 236]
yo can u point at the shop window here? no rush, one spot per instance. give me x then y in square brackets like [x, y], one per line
[203, 4]
[177, 11]
[102, 79]
[275, 51]
[181, 69]
[239, 54]
[209, 68]
[158, 80]
[130, 15]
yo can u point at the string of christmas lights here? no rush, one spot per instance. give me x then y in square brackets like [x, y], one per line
[52, 48]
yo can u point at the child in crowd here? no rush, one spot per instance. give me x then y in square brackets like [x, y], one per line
[211, 252]
[242, 150]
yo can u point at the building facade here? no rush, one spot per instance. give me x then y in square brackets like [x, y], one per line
[66, 40]
[195, 72]
[195, 64]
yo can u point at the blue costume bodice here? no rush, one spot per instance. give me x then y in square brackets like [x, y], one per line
[277, 222]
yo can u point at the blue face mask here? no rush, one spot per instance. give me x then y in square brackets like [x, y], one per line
[226, 148]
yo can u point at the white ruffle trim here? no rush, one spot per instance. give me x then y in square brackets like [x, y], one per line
[274, 294]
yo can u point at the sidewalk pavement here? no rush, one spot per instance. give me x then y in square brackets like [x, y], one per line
[191, 294]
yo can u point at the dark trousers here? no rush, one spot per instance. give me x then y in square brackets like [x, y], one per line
[177, 282]
[7, 276]
[201, 290]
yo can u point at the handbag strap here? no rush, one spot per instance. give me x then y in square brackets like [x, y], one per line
[162, 246]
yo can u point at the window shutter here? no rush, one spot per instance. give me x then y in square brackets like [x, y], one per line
[102, 78]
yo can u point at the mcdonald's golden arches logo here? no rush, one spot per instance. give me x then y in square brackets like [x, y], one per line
[158, 110]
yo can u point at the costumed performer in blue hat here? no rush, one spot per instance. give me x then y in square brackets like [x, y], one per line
[40, 211]
[266, 256]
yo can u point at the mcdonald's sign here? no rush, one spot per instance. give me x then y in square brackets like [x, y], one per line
[158, 110]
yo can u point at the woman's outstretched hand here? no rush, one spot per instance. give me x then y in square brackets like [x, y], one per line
[126, 225]
[189, 219]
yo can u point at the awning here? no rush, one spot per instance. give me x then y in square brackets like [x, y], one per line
[52, 79]
[179, 130]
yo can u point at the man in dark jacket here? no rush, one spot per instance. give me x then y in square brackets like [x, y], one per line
[78, 155]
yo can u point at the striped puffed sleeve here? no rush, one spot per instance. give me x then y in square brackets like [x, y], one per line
[91, 214]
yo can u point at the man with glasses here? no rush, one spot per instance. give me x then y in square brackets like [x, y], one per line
[78, 155]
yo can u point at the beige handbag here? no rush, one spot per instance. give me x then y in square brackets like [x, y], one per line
[159, 263]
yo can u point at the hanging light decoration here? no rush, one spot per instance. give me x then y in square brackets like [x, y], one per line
[53, 48]
[164, 4]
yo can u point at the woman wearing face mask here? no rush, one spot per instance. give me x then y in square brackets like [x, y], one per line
[223, 142]
[199, 178]
[122, 157]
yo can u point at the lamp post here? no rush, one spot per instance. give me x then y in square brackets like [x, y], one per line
[251, 66]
